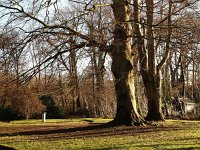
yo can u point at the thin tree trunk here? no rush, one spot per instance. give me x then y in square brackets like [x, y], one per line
[182, 79]
[74, 80]
[166, 88]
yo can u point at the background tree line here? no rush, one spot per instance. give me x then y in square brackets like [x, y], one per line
[64, 52]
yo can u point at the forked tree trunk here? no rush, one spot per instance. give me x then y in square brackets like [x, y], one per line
[147, 54]
[122, 67]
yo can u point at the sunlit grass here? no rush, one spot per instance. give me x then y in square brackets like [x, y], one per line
[54, 121]
[186, 135]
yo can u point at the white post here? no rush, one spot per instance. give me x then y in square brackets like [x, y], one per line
[44, 116]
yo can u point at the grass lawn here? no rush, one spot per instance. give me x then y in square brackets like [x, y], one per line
[87, 133]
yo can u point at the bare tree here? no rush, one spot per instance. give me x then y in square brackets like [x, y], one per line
[153, 28]
[150, 40]
[122, 66]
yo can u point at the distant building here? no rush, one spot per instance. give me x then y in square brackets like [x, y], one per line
[189, 106]
[182, 107]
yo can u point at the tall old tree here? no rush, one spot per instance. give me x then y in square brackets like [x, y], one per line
[147, 50]
[122, 55]
[43, 19]
[153, 25]
[123, 67]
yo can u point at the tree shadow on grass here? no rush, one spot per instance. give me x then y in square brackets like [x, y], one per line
[51, 130]
[92, 130]
[2, 147]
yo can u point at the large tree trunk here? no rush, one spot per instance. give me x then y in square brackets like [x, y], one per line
[153, 92]
[149, 70]
[153, 84]
[122, 67]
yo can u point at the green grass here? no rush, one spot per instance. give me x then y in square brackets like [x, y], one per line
[53, 121]
[181, 135]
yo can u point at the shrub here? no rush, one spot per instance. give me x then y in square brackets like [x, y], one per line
[8, 114]
[53, 111]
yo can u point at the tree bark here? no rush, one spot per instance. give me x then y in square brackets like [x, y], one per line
[153, 92]
[74, 80]
[166, 87]
[123, 68]
[149, 70]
